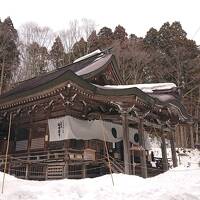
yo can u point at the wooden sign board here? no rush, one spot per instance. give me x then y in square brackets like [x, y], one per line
[89, 154]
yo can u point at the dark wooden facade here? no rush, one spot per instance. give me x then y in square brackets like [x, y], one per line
[76, 90]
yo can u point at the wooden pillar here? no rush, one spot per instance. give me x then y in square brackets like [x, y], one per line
[164, 152]
[185, 137]
[181, 136]
[133, 163]
[197, 133]
[173, 149]
[27, 172]
[177, 136]
[46, 172]
[84, 171]
[191, 136]
[142, 151]
[46, 145]
[126, 144]
[66, 170]
[29, 146]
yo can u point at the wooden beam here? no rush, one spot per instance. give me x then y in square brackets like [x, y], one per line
[136, 120]
[149, 124]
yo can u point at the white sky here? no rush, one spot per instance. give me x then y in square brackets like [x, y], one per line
[136, 16]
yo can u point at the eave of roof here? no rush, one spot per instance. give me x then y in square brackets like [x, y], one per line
[94, 90]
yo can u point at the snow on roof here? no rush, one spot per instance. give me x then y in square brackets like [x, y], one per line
[87, 56]
[147, 88]
[95, 65]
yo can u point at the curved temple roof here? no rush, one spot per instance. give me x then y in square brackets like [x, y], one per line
[86, 68]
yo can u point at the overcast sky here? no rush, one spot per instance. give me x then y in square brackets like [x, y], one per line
[136, 16]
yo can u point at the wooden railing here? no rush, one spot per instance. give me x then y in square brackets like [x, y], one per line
[50, 156]
[44, 165]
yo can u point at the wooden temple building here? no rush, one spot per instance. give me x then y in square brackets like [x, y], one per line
[69, 124]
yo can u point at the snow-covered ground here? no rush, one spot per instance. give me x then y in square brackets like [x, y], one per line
[181, 183]
[177, 184]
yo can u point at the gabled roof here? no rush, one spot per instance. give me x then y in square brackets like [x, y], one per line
[86, 68]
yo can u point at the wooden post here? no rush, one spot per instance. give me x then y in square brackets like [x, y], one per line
[173, 149]
[46, 172]
[197, 133]
[27, 172]
[185, 136]
[65, 170]
[164, 152]
[2, 76]
[133, 168]
[177, 136]
[142, 152]
[126, 144]
[191, 136]
[181, 136]
[47, 130]
[84, 171]
[30, 136]
[7, 149]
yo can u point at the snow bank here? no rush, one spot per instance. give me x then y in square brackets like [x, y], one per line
[181, 183]
[186, 157]
[176, 184]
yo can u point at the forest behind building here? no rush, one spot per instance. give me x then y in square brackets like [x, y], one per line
[163, 55]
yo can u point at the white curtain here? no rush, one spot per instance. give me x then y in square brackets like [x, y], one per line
[71, 128]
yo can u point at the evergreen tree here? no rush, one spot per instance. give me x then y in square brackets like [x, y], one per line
[92, 42]
[151, 38]
[174, 52]
[9, 54]
[37, 60]
[57, 53]
[80, 48]
[133, 37]
[120, 33]
[105, 37]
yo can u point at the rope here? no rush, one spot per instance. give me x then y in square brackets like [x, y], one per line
[106, 148]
